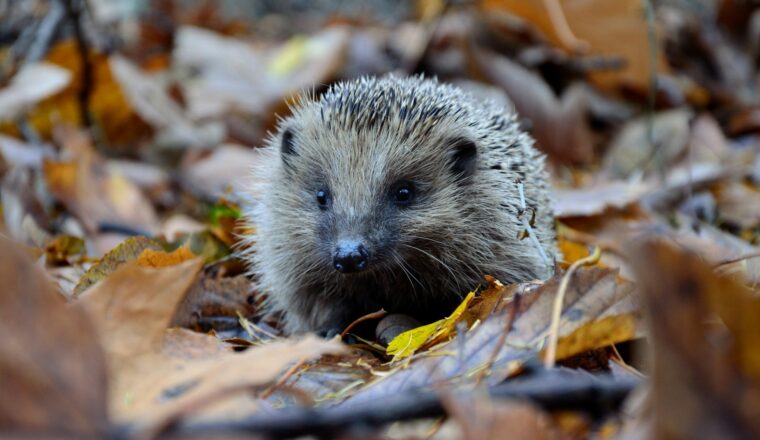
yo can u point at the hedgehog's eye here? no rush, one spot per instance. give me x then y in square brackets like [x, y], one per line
[323, 198]
[403, 193]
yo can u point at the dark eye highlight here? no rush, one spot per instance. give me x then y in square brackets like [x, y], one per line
[403, 193]
[323, 198]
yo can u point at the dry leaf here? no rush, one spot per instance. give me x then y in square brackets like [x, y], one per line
[84, 184]
[151, 101]
[559, 124]
[130, 249]
[216, 303]
[608, 27]
[53, 372]
[33, 83]
[738, 204]
[234, 75]
[483, 418]
[132, 310]
[110, 111]
[596, 199]
[633, 151]
[700, 364]
[227, 167]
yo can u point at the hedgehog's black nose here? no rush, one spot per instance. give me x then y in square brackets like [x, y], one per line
[350, 256]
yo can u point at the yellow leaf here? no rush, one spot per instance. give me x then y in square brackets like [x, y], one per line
[409, 342]
[290, 57]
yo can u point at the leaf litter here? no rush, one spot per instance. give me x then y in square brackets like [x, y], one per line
[128, 308]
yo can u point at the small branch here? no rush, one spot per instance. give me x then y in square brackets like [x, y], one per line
[514, 306]
[562, 27]
[74, 12]
[551, 350]
[737, 259]
[47, 29]
[529, 228]
[374, 315]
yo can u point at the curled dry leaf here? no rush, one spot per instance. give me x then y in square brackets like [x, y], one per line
[738, 204]
[227, 168]
[559, 124]
[154, 105]
[82, 181]
[234, 75]
[155, 379]
[53, 371]
[597, 198]
[632, 150]
[217, 303]
[600, 24]
[483, 418]
[30, 85]
[700, 363]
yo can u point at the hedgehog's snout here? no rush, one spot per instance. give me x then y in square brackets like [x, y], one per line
[350, 256]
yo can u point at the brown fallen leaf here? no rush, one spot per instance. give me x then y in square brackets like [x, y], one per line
[633, 151]
[738, 204]
[109, 110]
[597, 198]
[216, 303]
[133, 306]
[227, 167]
[559, 124]
[483, 418]
[706, 379]
[82, 181]
[52, 369]
[235, 76]
[603, 26]
[154, 379]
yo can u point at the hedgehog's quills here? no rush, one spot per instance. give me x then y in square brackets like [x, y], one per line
[398, 193]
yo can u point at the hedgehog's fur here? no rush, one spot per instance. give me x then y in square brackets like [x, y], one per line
[357, 140]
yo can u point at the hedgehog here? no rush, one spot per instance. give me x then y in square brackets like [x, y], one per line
[399, 193]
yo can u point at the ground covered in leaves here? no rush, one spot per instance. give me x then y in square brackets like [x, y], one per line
[126, 134]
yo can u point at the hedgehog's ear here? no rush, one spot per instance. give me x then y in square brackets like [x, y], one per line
[463, 155]
[287, 147]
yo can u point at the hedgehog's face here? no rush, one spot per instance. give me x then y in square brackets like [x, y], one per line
[373, 202]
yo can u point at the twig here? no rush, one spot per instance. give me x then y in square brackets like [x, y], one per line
[737, 259]
[502, 337]
[566, 36]
[551, 350]
[48, 26]
[374, 315]
[528, 228]
[652, 96]
[74, 9]
[291, 371]
[556, 390]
